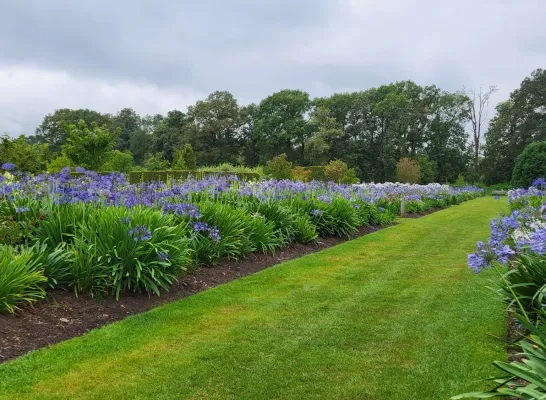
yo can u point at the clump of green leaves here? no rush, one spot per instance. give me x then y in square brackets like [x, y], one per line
[21, 279]
[119, 251]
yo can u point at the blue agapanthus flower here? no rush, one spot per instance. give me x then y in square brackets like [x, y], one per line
[539, 183]
[8, 166]
[125, 220]
[203, 227]
[140, 233]
[163, 257]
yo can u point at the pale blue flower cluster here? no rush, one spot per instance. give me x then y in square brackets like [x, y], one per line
[521, 232]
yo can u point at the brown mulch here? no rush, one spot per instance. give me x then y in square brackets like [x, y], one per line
[62, 315]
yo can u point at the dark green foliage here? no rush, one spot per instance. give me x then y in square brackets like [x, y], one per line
[368, 130]
[281, 123]
[60, 223]
[213, 131]
[518, 122]
[530, 165]
[128, 123]
[53, 129]
[427, 170]
[168, 133]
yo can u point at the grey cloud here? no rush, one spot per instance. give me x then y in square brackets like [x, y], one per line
[168, 43]
[254, 48]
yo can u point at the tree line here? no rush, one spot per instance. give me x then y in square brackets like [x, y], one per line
[370, 130]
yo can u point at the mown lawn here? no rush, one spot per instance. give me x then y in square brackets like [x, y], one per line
[392, 315]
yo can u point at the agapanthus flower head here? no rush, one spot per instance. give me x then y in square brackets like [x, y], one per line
[200, 226]
[126, 220]
[317, 212]
[182, 209]
[163, 257]
[539, 183]
[20, 210]
[324, 198]
[81, 170]
[214, 234]
[140, 233]
[538, 242]
[8, 166]
[476, 262]
[504, 253]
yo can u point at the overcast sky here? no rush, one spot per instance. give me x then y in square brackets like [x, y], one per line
[166, 54]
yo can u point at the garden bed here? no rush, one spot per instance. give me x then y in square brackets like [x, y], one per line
[63, 316]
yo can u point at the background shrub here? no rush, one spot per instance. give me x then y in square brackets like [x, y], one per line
[317, 172]
[301, 174]
[530, 164]
[408, 171]
[185, 159]
[119, 161]
[279, 167]
[336, 171]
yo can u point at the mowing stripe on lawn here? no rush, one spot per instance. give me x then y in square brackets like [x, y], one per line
[391, 315]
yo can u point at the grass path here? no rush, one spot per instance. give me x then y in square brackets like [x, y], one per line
[392, 315]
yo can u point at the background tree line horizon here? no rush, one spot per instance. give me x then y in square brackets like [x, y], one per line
[370, 130]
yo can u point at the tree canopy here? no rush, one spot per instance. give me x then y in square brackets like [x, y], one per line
[370, 131]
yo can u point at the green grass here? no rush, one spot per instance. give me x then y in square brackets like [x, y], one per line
[392, 315]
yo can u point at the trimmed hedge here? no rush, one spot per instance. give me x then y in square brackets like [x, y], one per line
[164, 176]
